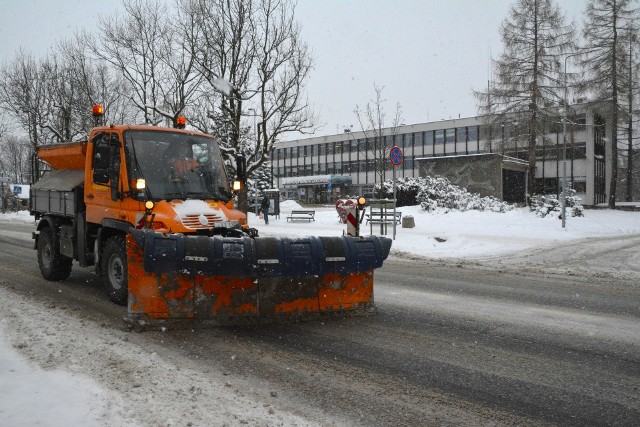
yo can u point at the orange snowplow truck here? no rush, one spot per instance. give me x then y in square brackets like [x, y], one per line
[152, 211]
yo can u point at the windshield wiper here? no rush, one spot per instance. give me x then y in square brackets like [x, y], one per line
[187, 195]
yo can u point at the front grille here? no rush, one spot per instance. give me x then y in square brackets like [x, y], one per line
[193, 221]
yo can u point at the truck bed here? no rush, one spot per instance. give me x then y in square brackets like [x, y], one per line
[58, 192]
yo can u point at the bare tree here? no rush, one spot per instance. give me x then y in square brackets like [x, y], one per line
[14, 159]
[224, 46]
[608, 30]
[251, 56]
[96, 83]
[61, 117]
[146, 48]
[22, 94]
[374, 125]
[529, 71]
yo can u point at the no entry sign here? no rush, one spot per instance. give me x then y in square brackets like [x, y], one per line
[396, 156]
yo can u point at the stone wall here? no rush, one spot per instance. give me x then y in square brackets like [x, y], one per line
[478, 173]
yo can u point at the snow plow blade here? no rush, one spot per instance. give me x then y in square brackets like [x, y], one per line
[216, 280]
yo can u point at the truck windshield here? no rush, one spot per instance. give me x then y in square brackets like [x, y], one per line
[177, 166]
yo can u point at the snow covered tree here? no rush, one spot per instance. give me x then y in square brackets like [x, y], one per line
[528, 74]
[610, 27]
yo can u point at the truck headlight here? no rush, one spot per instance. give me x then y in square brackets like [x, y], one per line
[140, 184]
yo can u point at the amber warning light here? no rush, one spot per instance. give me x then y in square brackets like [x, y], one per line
[181, 122]
[97, 110]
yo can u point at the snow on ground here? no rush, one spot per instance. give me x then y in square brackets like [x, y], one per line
[453, 235]
[22, 383]
[467, 235]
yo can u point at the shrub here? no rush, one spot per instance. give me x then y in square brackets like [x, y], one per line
[432, 192]
[550, 205]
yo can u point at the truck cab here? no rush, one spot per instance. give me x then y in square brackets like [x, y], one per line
[180, 171]
[123, 178]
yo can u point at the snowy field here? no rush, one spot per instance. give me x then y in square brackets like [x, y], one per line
[466, 235]
[455, 236]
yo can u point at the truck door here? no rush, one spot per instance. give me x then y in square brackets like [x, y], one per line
[103, 198]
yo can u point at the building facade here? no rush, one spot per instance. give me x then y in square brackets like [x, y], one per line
[323, 169]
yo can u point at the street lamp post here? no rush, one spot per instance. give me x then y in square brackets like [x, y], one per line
[563, 202]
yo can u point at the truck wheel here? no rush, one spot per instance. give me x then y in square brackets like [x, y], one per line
[114, 269]
[53, 265]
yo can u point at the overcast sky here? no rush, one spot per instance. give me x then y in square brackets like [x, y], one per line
[427, 54]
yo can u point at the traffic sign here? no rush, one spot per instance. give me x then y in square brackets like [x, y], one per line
[396, 156]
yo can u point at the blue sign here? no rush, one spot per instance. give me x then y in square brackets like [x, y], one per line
[396, 156]
[17, 190]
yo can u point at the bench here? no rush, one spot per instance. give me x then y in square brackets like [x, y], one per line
[387, 217]
[302, 216]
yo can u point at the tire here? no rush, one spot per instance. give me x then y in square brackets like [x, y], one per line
[53, 265]
[114, 270]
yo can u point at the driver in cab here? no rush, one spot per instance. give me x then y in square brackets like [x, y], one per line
[181, 160]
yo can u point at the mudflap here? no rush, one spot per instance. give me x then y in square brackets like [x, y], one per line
[180, 281]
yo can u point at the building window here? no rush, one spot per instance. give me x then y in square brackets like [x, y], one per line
[418, 138]
[579, 184]
[578, 151]
[428, 138]
[439, 137]
[450, 135]
[461, 134]
[472, 133]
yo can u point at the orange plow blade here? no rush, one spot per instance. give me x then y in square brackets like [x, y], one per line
[177, 279]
